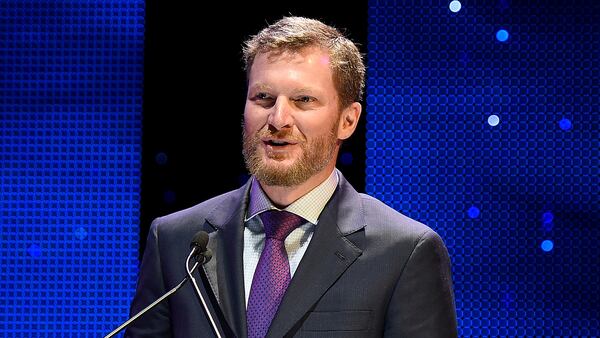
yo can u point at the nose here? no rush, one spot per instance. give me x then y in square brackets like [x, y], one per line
[280, 116]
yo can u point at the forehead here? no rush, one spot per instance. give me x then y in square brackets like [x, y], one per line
[307, 66]
[311, 55]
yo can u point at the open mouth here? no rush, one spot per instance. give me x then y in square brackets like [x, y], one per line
[275, 143]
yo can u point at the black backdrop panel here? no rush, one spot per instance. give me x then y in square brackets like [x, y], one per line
[195, 92]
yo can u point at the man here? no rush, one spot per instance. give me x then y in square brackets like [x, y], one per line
[349, 267]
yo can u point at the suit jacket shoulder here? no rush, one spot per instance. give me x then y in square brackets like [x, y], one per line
[379, 214]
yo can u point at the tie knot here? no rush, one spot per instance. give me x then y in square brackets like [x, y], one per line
[279, 224]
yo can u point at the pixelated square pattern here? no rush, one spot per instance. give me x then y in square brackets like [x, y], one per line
[484, 124]
[70, 125]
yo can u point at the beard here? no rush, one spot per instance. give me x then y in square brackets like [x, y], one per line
[316, 154]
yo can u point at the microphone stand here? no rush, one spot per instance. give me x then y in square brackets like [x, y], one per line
[137, 315]
[189, 273]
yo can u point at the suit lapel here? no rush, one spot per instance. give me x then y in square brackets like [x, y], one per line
[328, 255]
[225, 271]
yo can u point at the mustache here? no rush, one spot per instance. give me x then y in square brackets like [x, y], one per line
[280, 134]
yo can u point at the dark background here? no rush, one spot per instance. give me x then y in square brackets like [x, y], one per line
[194, 95]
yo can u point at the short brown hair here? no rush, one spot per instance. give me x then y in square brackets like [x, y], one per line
[295, 33]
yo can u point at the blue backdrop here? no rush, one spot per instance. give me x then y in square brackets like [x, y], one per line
[483, 123]
[70, 110]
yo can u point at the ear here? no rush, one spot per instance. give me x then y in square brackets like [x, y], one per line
[349, 120]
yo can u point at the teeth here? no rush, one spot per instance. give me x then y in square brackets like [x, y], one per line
[279, 142]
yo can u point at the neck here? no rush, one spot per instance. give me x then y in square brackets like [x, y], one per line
[282, 196]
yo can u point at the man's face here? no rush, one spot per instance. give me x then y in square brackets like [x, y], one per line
[291, 117]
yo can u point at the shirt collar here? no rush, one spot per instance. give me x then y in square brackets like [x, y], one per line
[308, 206]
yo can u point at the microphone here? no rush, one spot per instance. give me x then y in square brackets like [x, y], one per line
[198, 245]
[201, 256]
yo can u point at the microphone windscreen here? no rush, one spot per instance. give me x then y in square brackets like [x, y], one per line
[207, 256]
[200, 240]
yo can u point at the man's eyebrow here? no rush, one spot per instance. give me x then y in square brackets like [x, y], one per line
[260, 86]
[306, 90]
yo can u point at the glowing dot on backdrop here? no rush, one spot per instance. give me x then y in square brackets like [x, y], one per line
[161, 158]
[548, 221]
[547, 217]
[502, 35]
[547, 245]
[80, 233]
[34, 250]
[565, 124]
[493, 120]
[473, 212]
[455, 6]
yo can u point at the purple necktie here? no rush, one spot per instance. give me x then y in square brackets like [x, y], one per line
[272, 274]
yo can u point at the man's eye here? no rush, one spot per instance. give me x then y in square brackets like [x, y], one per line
[261, 96]
[305, 99]
[263, 99]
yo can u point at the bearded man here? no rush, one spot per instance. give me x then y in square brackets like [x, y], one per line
[297, 251]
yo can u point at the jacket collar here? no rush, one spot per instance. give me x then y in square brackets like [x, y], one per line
[330, 253]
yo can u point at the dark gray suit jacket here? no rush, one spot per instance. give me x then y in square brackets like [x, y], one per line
[369, 271]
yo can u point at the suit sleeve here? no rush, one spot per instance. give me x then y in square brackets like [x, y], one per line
[150, 286]
[422, 304]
